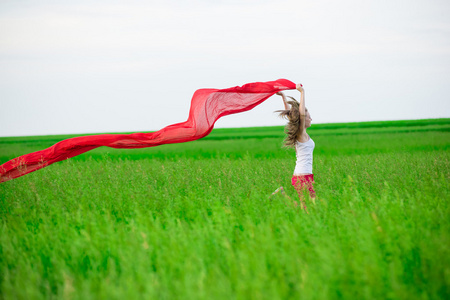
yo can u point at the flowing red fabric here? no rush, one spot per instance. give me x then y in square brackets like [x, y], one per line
[207, 106]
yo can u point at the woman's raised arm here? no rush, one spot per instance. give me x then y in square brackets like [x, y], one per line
[286, 107]
[302, 107]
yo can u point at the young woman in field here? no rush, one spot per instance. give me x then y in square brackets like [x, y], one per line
[299, 120]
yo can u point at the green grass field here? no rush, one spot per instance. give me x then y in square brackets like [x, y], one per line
[195, 221]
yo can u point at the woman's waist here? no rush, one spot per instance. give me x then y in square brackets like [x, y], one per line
[303, 169]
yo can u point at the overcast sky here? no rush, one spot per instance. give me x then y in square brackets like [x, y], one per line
[125, 66]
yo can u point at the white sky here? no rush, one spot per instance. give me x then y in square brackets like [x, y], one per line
[122, 66]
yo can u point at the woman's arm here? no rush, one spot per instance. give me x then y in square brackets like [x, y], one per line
[286, 107]
[302, 107]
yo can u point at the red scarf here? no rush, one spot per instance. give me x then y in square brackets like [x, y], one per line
[207, 106]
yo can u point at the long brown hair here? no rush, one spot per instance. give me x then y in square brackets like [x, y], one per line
[292, 128]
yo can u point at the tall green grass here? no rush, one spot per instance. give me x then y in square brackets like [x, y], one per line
[195, 220]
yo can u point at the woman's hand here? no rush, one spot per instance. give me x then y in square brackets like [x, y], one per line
[299, 87]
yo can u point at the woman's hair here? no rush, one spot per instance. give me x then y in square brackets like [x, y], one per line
[292, 128]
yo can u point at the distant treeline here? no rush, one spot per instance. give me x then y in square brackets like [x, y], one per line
[277, 131]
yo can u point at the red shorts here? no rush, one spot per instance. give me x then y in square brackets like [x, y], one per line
[302, 182]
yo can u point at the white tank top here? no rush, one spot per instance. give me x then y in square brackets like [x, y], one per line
[304, 152]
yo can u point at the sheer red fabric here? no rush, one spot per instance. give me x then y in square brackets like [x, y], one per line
[207, 106]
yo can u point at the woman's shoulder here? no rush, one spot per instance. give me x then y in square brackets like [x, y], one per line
[304, 138]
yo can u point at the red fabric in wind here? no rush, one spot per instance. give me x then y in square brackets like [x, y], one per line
[207, 106]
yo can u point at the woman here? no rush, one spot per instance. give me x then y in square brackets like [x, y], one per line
[299, 120]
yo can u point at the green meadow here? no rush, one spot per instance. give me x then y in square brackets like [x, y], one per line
[196, 220]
